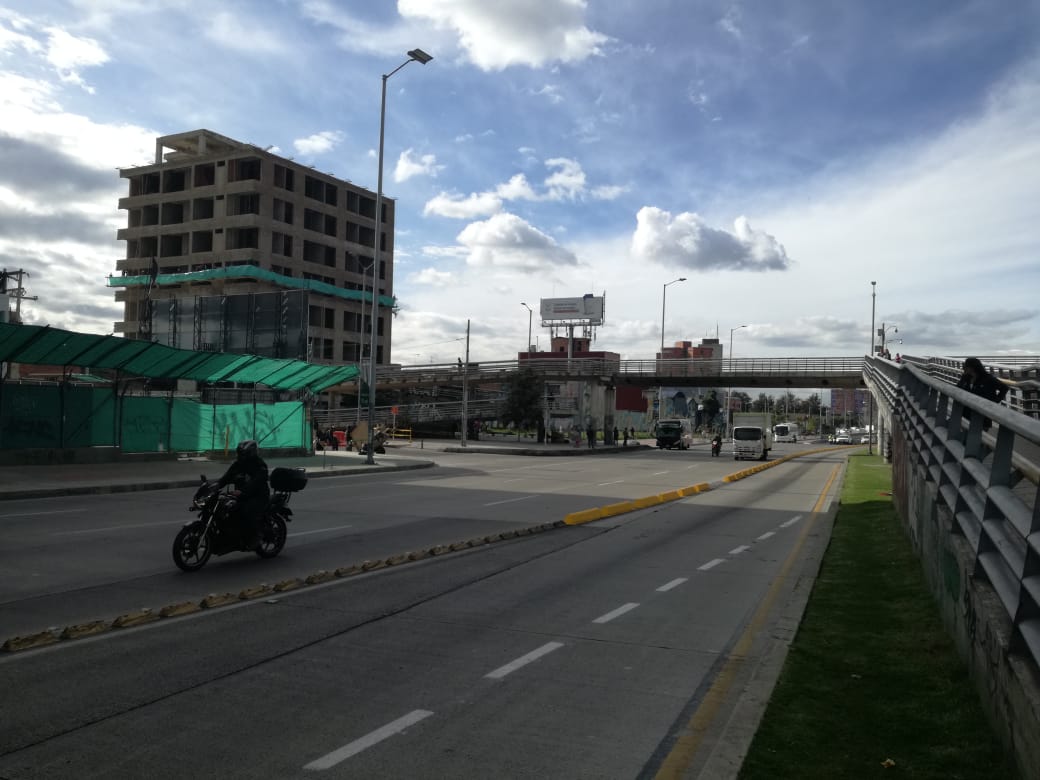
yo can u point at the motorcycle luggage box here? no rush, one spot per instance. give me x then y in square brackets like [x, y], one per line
[289, 480]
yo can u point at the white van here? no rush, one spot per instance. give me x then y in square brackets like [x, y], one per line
[676, 432]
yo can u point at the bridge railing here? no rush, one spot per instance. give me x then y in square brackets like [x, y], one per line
[986, 480]
[1020, 373]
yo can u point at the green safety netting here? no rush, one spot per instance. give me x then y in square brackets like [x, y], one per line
[44, 345]
[249, 272]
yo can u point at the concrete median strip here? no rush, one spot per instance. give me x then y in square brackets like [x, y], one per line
[611, 510]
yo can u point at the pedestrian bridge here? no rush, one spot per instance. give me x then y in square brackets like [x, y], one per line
[807, 372]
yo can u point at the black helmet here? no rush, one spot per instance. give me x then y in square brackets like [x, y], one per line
[247, 449]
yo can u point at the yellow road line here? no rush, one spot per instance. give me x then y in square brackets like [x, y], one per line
[682, 754]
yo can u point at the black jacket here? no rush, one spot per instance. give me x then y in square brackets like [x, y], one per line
[985, 386]
[248, 476]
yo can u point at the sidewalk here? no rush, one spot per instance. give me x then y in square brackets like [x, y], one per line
[128, 476]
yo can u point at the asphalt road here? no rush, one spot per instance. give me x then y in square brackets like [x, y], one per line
[591, 651]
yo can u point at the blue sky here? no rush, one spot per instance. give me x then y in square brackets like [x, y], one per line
[781, 155]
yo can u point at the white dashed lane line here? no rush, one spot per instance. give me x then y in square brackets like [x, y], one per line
[673, 584]
[116, 528]
[523, 660]
[510, 500]
[711, 564]
[739, 550]
[319, 531]
[792, 521]
[765, 536]
[615, 482]
[616, 613]
[374, 738]
[48, 512]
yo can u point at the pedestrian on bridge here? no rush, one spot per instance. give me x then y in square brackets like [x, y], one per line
[977, 380]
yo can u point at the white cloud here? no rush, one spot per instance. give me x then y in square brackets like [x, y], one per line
[608, 192]
[505, 241]
[463, 138]
[319, 143]
[551, 92]
[242, 33]
[567, 182]
[69, 54]
[408, 166]
[497, 35]
[687, 241]
[517, 188]
[479, 204]
[431, 277]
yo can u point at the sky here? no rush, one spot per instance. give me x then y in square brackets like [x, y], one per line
[781, 155]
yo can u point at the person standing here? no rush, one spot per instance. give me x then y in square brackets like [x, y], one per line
[590, 435]
[978, 381]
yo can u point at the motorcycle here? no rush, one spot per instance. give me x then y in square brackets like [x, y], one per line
[218, 531]
[716, 447]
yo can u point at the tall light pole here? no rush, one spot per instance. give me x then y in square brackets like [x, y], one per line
[870, 395]
[729, 390]
[660, 388]
[418, 55]
[530, 314]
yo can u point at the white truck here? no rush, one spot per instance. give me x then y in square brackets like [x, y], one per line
[752, 435]
[787, 431]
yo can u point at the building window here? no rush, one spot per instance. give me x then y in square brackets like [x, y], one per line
[244, 203]
[205, 175]
[175, 180]
[312, 220]
[202, 241]
[284, 178]
[242, 238]
[281, 244]
[243, 169]
[283, 211]
[173, 213]
[202, 208]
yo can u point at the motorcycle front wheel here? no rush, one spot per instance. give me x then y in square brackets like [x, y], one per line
[191, 548]
[273, 539]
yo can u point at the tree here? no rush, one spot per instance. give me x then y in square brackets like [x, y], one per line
[523, 404]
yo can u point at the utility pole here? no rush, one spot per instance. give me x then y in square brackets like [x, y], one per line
[11, 283]
[465, 388]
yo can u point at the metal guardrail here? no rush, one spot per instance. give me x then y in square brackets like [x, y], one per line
[980, 478]
[1020, 373]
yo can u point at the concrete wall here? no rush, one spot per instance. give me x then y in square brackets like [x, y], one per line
[1006, 681]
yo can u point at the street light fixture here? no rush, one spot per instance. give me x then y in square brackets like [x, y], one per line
[530, 314]
[417, 55]
[660, 388]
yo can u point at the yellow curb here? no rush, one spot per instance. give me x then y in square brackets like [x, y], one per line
[396, 560]
[176, 610]
[418, 555]
[319, 577]
[440, 549]
[348, 571]
[214, 600]
[456, 546]
[290, 584]
[611, 510]
[584, 516]
[41, 639]
[138, 618]
[86, 629]
[671, 495]
[508, 535]
[373, 565]
[523, 531]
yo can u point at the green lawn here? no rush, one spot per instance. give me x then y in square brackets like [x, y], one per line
[872, 676]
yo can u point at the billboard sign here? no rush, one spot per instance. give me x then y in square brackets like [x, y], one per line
[589, 308]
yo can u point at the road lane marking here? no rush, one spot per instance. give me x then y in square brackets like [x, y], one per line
[523, 660]
[711, 564]
[615, 482]
[374, 738]
[682, 754]
[673, 584]
[616, 613]
[34, 514]
[792, 521]
[319, 531]
[658, 473]
[739, 550]
[511, 500]
[115, 528]
[765, 536]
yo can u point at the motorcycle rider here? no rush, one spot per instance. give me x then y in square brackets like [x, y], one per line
[248, 474]
[716, 444]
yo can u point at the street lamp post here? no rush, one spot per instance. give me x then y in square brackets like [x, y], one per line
[660, 389]
[530, 315]
[870, 395]
[729, 389]
[418, 55]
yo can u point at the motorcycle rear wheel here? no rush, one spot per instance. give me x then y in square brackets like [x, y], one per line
[273, 539]
[191, 548]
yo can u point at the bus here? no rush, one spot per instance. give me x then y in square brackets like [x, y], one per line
[786, 432]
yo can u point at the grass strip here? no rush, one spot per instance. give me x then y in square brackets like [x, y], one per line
[872, 677]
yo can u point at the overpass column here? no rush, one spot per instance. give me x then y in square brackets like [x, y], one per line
[609, 403]
[881, 435]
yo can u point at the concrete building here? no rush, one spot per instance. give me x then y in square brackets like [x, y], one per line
[214, 219]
